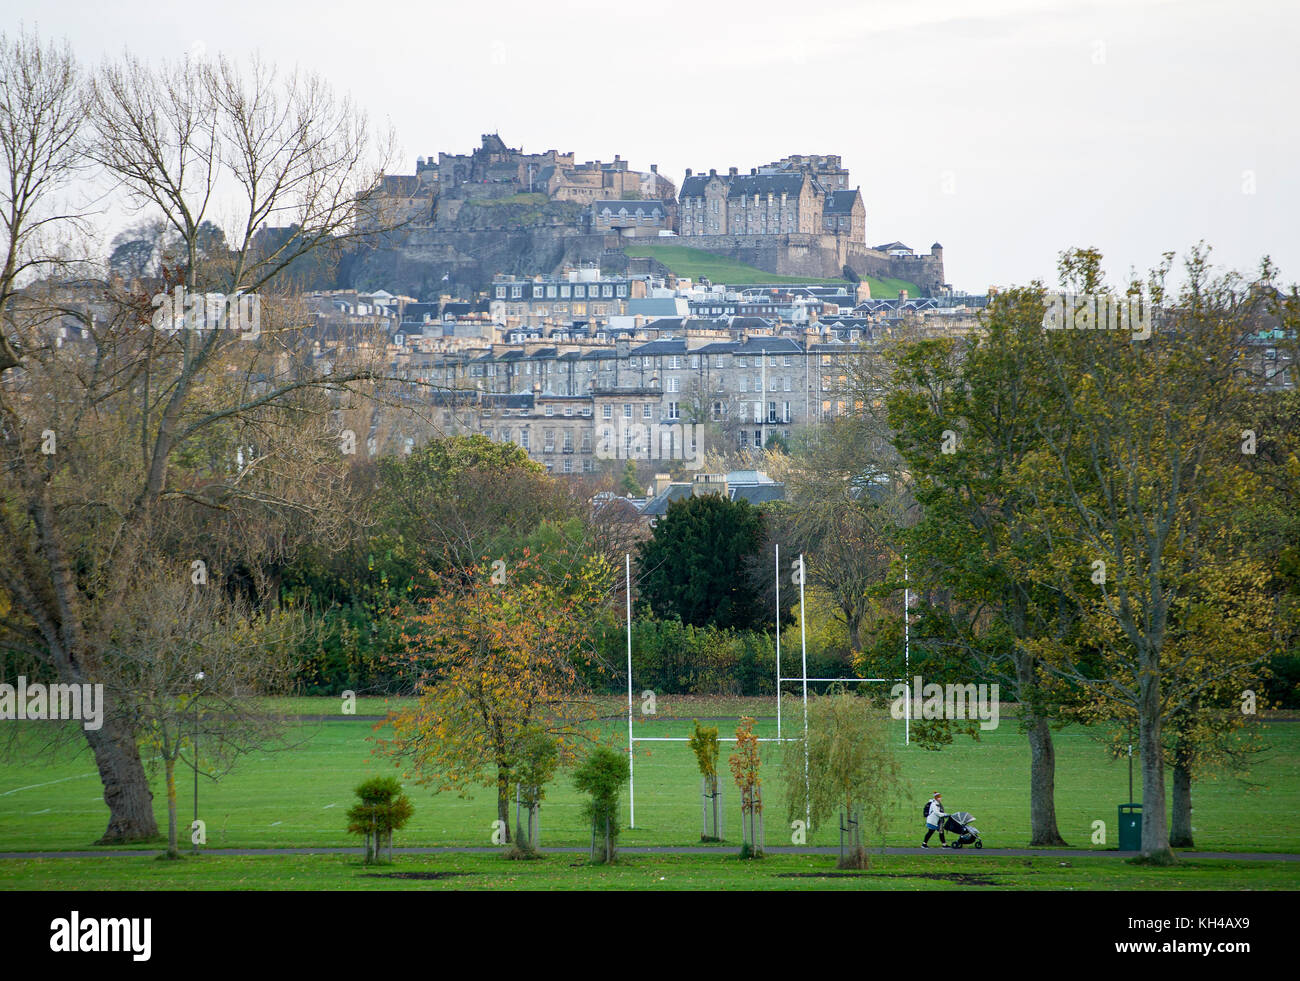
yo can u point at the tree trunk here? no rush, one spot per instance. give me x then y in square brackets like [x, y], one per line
[1042, 784]
[503, 801]
[170, 766]
[126, 788]
[1042, 762]
[1155, 832]
[713, 788]
[1180, 834]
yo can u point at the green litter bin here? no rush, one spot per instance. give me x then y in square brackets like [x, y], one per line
[1130, 827]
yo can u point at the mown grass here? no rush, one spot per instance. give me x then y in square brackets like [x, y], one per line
[697, 263]
[51, 799]
[943, 872]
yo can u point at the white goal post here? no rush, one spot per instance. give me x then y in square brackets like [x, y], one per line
[802, 678]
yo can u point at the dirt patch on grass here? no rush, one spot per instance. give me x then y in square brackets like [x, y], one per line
[962, 878]
[411, 875]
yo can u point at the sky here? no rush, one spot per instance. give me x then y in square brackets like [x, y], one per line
[1007, 130]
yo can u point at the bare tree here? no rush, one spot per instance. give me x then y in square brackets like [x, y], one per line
[190, 667]
[42, 108]
[109, 439]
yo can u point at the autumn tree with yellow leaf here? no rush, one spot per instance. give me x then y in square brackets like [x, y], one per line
[501, 657]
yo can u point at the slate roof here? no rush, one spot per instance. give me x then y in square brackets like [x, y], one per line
[658, 506]
[666, 346]
[652, 305]
[772, 345]
[758, 493]
[840, 202]
[740, 186]
[693, 187]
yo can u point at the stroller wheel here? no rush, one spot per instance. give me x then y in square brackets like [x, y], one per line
[956, 844]
[979, 844]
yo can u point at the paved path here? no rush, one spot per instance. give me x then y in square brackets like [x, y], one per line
[676, 850]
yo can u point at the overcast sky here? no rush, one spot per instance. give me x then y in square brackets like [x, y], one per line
[1005, 129]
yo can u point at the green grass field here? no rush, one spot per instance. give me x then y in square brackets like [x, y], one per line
[943, 871]
[696, 263]
[298, 797]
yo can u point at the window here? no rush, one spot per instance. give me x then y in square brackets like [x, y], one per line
[567, 465]
[568, 441]
[523, 438]
[627, 410]
[548, 441]
[579, 292]
[550, 292]
[550, 410]
[568, 409]
[675, 362]
[622, 290]
[646, 411]
[501, 292]
[740, 361]
[607, 411]
[744, 383]
[607, 290]
[586, 441]
[674, 384]
[786, 383]
[516, 292]
[565, 291]
[674, 410]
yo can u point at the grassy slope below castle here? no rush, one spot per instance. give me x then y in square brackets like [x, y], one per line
[696, 264]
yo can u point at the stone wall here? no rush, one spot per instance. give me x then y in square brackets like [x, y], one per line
[821, 256]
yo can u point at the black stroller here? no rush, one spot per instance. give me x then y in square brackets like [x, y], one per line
[962, 824]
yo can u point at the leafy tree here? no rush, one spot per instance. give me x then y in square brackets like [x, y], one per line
[850, 764]
[602, 775]
[499, 663]
[963, 422]
[538, 757]
[704, 744]
[629, 482]
[1136, 479]
[745, 763]
[383, 809]
[696, 565]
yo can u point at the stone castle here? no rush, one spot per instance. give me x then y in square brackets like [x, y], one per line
[499, 209]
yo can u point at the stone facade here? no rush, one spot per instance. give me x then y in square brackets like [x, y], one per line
[784, 198]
